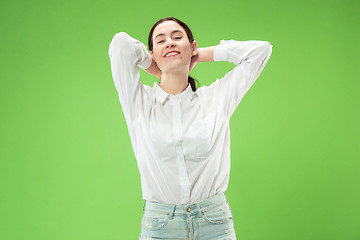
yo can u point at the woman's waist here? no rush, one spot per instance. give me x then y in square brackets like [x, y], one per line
[215, 201]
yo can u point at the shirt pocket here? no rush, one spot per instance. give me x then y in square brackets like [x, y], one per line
[203, 137]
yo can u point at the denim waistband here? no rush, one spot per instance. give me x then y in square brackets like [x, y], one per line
[212, 202]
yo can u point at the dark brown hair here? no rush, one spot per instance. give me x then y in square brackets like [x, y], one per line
[189, 35]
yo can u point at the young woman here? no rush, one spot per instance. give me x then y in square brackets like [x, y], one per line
[180, 135]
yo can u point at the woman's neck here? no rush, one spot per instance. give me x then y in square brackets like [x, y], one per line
[175, 82]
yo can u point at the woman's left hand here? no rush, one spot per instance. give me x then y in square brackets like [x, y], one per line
[202, 55]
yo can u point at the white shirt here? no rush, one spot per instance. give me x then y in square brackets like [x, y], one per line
[182, 142]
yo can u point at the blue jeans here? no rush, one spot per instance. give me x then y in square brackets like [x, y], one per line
[209, 220]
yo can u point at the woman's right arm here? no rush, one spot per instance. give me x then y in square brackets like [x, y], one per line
[126, 55]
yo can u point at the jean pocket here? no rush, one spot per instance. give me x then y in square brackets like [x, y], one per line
[154, 222]
[218, 216]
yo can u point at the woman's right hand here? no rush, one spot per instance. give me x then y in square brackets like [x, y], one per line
[154, 70]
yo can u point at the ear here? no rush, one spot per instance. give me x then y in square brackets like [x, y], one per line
[195, 51]
[151, 53]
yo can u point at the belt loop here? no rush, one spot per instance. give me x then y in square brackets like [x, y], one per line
[143, 208]
[199, 208]
[172, 213]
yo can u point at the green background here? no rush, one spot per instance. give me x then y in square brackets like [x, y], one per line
[68, 171]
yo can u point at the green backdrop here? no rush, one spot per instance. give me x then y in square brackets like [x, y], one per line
[68, 171]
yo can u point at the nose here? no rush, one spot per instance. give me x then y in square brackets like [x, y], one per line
[170, 43]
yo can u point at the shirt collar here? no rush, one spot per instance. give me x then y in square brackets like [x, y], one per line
[184, 96]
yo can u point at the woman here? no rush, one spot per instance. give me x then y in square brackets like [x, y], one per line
[180, 135]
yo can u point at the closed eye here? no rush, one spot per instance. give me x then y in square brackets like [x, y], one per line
[163, 40]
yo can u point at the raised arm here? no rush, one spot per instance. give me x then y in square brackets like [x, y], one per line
[249, 57]
[126, 55]
[253, 53]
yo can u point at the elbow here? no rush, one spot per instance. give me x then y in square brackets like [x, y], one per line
[264, 49]
[120, 43]
[120, 37]
[267, 48]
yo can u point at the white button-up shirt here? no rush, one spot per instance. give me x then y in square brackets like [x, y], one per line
[182, 142]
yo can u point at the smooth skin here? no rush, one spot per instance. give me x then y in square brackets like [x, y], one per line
[174, 71]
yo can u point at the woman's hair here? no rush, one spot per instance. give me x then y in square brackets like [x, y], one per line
[189, 35]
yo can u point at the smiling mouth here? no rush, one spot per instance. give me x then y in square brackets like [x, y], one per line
[172, 54]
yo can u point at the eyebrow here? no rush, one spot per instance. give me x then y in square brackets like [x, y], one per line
[161, 34]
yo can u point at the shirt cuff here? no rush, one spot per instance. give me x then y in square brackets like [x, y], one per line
[145, 64]
[146, 59]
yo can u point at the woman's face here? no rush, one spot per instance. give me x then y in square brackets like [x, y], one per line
[167, 37]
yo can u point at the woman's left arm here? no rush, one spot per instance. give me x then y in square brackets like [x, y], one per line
[249, 58]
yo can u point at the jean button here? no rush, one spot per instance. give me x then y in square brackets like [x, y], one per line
[188, 209]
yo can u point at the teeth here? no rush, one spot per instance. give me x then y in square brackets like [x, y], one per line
[170, 54]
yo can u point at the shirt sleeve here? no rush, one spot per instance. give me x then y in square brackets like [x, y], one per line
[126, 55]
[250, 58]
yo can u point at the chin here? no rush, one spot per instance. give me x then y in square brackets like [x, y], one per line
[177, 64]
[175, 67]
